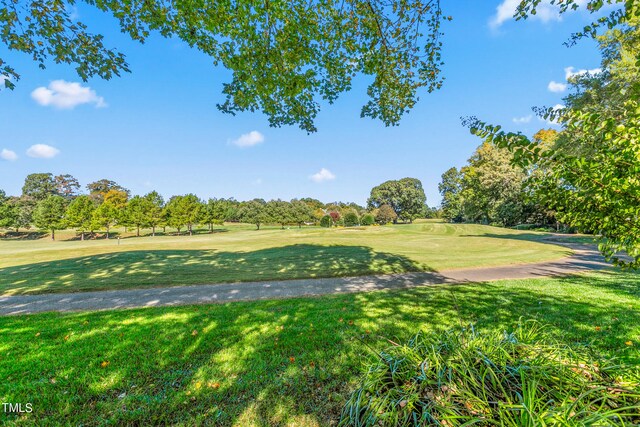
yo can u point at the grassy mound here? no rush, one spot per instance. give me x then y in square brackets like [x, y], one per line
[522, 378]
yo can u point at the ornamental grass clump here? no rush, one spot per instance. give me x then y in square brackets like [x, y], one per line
[464, 377]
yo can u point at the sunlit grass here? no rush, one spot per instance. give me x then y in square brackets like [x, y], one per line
[239, 253]
[286, 362]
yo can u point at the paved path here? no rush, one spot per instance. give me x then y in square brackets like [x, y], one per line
[584, 258]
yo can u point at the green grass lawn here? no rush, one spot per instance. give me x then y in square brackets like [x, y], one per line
[240, 253]
[284, 362]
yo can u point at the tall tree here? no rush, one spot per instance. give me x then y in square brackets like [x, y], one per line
[592, 168]
[98, 189]
[39, 186]
[215, 211]
[136, 212]
[183, 211]
[8, 212]
[191, 205]
[106, 215]
[492, 188]
[118, 198]
[49, 214]
[406, 197]
[67, 186]
[279, 212]
[450, 189]
[25, 206]
[154, 210]
[79, 214]
[302, 212]
[253, 212]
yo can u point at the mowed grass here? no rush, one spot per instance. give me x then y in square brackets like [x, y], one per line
[283, 362]
[239, 253]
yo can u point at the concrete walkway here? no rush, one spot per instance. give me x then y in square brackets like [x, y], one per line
[585, 258]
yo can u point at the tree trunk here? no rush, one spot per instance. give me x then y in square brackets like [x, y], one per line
[164, 229]
[153, 231]
[107, 233]
[258, 225]
[53, 234]
[82, 235]
[138, 232]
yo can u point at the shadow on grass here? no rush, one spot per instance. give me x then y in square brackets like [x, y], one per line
[135, 269]
[550, 238]
[23, 235]
[288, 362]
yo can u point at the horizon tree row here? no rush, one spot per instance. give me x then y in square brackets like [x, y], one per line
[54, 203]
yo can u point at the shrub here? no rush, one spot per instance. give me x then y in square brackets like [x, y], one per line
[326, 221]
[367, 219]
[335, 216]
[385, 215]
[503, 379]
[351, 219]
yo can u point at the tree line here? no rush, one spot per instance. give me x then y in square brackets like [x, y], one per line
[587, 172]
[54, 203]
[490, 189]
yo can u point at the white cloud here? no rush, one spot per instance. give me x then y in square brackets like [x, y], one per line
[322, 176]
[506, 10]
[522, 120]
[8, 155]
[257, 181]
[42, 151]
[248, 139]
[556, 87]
[545, 12]
[66, 95]
[570, 72]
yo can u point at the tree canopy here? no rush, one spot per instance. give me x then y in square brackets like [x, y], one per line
[406, 197]
[285, 56]
[589, 170]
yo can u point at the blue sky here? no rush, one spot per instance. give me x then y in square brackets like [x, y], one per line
[158, 128]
